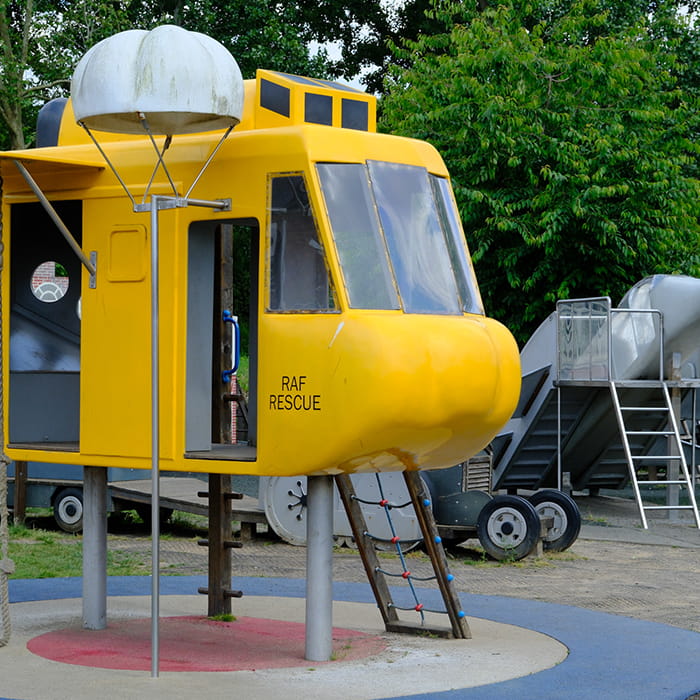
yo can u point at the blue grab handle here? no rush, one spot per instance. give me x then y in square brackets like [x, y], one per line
[233, 320]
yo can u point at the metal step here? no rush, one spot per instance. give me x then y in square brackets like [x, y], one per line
[667, 507]
[663, 482]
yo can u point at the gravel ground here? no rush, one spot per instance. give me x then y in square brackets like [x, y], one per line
[602, 571]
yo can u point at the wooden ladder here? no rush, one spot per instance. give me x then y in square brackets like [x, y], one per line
[420, 499]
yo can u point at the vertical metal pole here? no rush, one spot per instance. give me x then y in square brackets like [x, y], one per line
[673, 467]
[94, 548]
[557, 378]
[559, 479]
[694, 441]
[319, 569]
[155, 446]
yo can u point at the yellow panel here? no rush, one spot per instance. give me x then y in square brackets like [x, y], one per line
[128, 254]
[115, 353]
[380, 399]
[348, 391]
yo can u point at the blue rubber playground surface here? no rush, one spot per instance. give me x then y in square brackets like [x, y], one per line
[610, 656]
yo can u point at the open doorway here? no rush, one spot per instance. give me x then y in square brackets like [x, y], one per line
[45, 311]
[222, 284]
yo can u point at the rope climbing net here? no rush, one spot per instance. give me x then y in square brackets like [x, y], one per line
[399, 544]
[6, 566]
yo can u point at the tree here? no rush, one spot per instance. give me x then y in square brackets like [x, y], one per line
[40, 42]
[278, 35]
[19, 31]
[571, 150]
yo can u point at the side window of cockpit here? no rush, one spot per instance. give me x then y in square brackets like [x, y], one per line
[363, 256]
[457, 246]
[298, 274]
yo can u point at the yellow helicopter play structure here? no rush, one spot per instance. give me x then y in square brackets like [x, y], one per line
[368, 344]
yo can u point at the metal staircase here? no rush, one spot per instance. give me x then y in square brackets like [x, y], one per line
[593, 411]
[646, 417]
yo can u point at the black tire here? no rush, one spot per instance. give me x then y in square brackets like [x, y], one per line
[68, 509]
[508, 528]
[567, 518]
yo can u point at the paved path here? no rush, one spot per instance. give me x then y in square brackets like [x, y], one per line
[642, 577]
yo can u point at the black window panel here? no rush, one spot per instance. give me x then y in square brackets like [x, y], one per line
[318, 109]
[48, 122]
[355, 115]
[274, 97]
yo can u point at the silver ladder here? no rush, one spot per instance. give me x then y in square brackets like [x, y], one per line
[645, 434]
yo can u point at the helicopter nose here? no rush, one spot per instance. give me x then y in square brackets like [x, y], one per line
[442, 387]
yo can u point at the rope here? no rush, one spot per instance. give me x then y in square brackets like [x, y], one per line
[418, 607]
[6, 565]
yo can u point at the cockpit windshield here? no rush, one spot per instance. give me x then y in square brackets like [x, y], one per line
[398, 238]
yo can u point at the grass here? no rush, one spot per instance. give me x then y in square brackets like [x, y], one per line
[223, 617]
[243, 374]
[477, 557]
[39, 553]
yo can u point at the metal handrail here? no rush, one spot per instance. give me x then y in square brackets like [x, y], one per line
[605, 314]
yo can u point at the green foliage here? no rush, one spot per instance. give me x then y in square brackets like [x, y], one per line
[258, 34]
[223, 617]
[42, 40]
[572, 150]
[40, 43]
[278, 35]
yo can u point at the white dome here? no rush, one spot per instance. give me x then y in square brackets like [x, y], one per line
[184, 82]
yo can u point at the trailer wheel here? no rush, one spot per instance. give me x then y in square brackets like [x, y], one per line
[68, 509]
[508, 527]
[567, 518]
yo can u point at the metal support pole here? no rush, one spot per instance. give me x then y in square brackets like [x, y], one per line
[319, 569]
[48, 207]
[94, 548]
[155, 446]
[559, 466]
[694, 442]
[673, 467]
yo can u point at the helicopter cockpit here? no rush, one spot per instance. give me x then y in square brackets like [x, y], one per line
[366, 338]
[398, 240]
